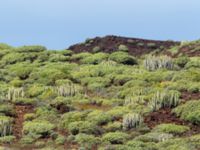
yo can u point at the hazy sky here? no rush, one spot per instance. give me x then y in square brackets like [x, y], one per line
[60, 23]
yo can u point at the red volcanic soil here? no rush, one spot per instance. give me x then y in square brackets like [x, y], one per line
[20, 110]
[190, 50]
[166, 116]
[187, 96]
[110, 44]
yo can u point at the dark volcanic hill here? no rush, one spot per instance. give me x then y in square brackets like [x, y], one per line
[111, 43]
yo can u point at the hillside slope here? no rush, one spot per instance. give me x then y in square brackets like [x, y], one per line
[102, 95]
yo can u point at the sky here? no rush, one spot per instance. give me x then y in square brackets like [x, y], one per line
[58, 24]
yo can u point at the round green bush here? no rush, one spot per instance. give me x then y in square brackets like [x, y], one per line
[115, 137]
[122, 57]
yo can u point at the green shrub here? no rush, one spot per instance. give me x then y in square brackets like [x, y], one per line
[151, 45]
[21, 70]
[35, 90]
[140, 44]
[139, 145]
[122, 57]
[87, 141]
[29, 116]
[66, 52]
[80, 56]
[95, 58]
[34, 48]
[194, 140]
[60, 140]
[96, 49]
[4, 46]
[130, 41]
[29, 139]
[16, 83]
[47, 76]
[7, 139]
[132, 121]
[62, 103]
[174, 50]
[171, 128]
[58, 58]
[123, 48]
[113, 126]
[115, 137]
[118, 112]
[122, 79]
[193, 63]
[42, 128]
[154, 137]
[12, 58]
[99, 117]
[24, 101]
[182, 61]
[175, 144]
[46, 113]
[7, 109]
[70, 117]
[189, 111]
[82, 127]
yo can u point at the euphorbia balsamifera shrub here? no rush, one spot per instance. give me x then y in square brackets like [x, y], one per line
[95, 58]
[58, 58]
[87, 141]
[115, 137]
[113, 126]
[46, 113]
[96, 49]
[83, 127]
[7, 139]
[123, 48]
[35, 90]
[62, 104]
[7, 109]
[12, 58]
[171, 128]
[79, 56]
[21, 70]
[4, 46]
[189, 111]
[139, 145]
[123, 57]
[42, 128]
[154, 137]
[24, 101]
[182, 61]
[99, 117]
[177, 144]
[193, 63]
[47, 76]
[70, 117]
[34, 48]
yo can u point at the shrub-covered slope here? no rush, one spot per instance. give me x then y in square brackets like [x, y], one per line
[91, 99]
